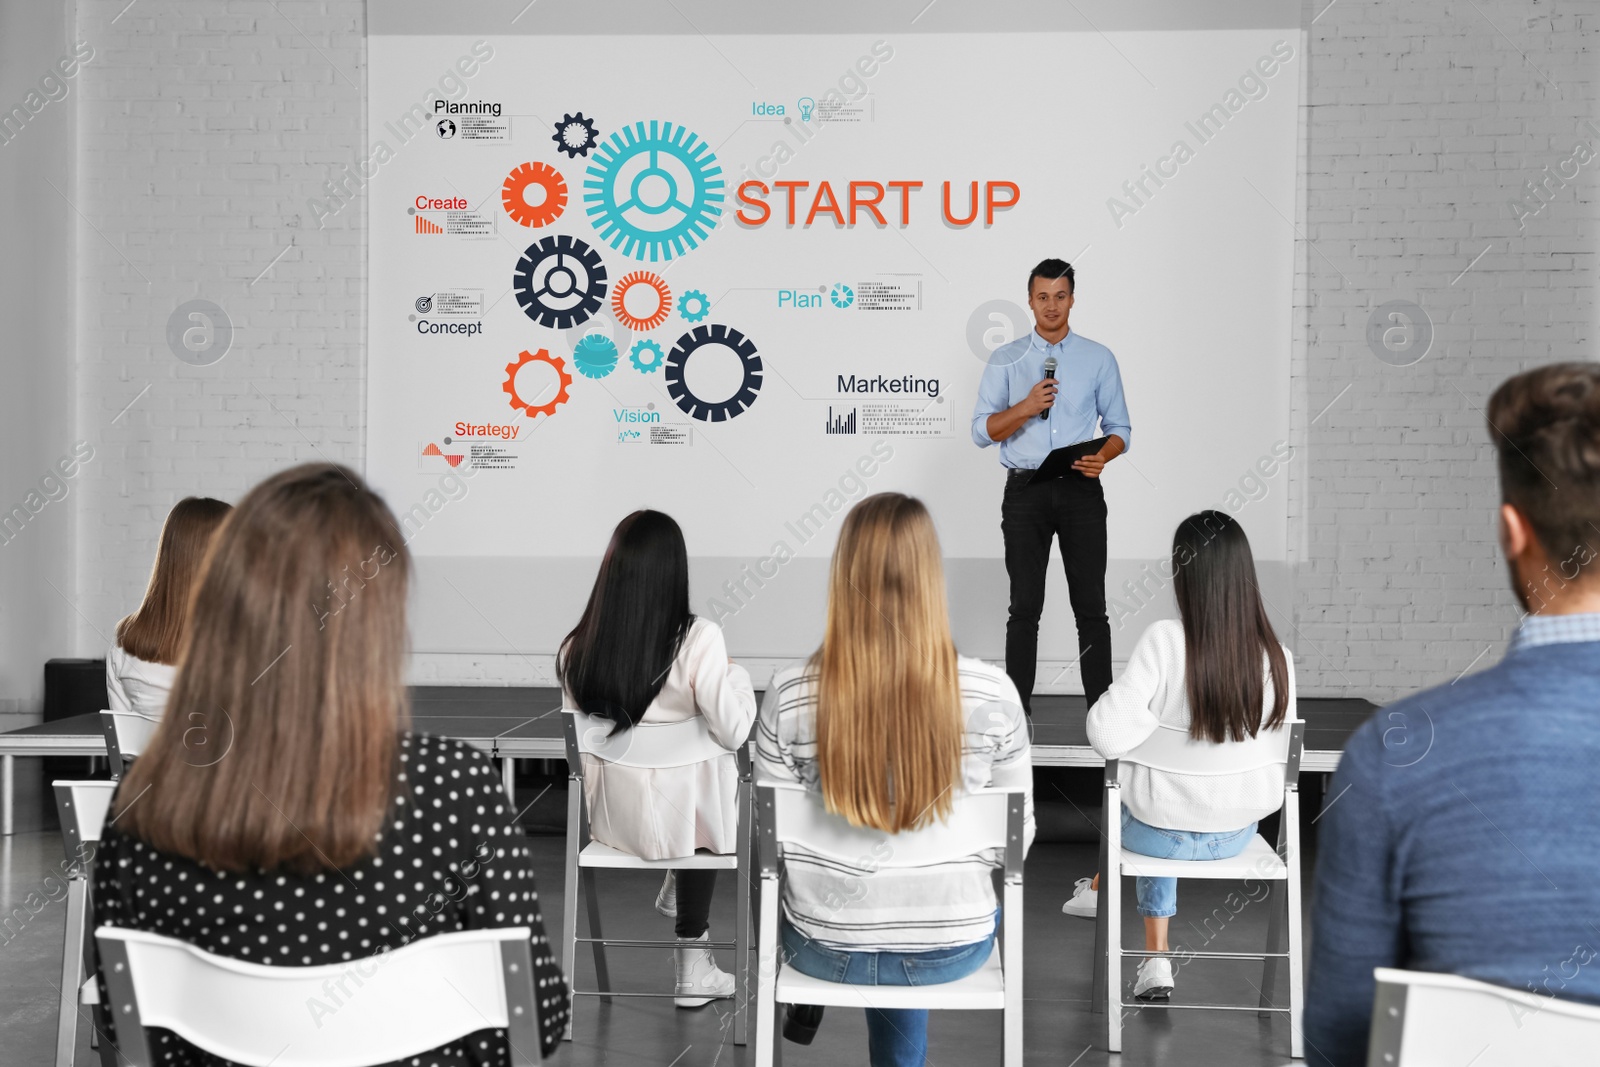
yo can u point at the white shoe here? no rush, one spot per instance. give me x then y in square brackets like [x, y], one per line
[1155, 979]
[667, 899]
[1084, 900]
[700, 980]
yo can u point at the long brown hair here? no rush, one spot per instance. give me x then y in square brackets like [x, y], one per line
[278, 745]
[154, 632]
[889, 722]
[1225, 631]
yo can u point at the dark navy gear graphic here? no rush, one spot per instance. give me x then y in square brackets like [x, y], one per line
[560, 282]
[693, 341]
[575, 135]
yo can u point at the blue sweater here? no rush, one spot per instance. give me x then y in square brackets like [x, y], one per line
[1462, 835]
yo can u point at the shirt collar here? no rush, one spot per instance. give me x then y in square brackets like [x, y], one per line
[1539, 630]
[1035, 341]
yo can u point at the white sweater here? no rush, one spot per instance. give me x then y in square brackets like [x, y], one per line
[667, 812]
[133, 684]
[1151, 695]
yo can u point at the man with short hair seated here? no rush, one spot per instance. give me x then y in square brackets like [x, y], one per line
[1462, 831]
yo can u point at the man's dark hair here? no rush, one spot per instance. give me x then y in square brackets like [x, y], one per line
[1051, 269]
[1546, 425]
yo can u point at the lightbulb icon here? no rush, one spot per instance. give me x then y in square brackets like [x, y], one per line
[807, 105]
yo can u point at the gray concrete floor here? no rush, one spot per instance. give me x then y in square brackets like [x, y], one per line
[1060, 1030]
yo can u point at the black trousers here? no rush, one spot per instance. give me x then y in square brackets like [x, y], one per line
[1073, 510]
[694, 901]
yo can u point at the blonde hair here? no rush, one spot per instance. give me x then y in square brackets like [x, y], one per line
[889, 722]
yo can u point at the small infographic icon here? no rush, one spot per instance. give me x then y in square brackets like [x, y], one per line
[446, 129]
[693, 305]
[646, 356]
[842, 295]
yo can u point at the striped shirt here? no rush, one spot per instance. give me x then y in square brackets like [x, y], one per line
[864, 907]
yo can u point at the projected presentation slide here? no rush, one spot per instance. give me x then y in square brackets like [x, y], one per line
[749, 278]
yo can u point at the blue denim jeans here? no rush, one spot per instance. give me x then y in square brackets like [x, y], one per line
[896, 1037]
[1158, 897]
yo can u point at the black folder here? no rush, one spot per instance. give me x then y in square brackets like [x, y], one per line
[1058, 464]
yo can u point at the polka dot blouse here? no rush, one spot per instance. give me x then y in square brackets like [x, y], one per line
[449, 826]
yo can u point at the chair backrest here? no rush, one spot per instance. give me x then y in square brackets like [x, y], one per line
[1422, 1019]
[375, 1009]
[1173, 750]
[790, 814]
[127, 735]
[647, 745]
[82, 807]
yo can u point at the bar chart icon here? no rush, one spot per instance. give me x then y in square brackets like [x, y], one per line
[841, 423]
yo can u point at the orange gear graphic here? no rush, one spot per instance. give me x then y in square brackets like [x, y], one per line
[547, 178]
[619, 293]
[541, 356]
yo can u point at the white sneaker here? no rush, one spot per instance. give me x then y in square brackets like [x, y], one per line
[1155, 979]
[1084, 900]
[700, 980]
[667, 899]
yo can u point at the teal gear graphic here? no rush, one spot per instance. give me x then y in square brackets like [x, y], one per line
[842, 296]
[595, 355]
[713, 410]
[646, 356]
[653, 192]
[693, 305]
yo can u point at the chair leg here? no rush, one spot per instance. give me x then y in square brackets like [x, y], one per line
[569, 902]
[71, 972]
[591, 897]
[767, 964]
[1097, 996]
[1012, 969]
[1291, 810]
[1110, 902]
[1276, 909]
[741, 931]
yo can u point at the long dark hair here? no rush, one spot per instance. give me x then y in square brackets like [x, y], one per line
[616, 659]
[1225, 631]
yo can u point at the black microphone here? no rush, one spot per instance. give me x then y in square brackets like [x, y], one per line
[1049, 372]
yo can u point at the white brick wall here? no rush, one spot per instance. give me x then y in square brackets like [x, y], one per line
[204, 127]
[1423, 121]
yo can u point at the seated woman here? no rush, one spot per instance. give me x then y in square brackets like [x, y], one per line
[888, 723]
[140, 666]
[1219, 674]
[639, 655]
[283, 812]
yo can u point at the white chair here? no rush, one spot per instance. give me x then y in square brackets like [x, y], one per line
[989, 819]
[647, 746]
[1444, 1020]
[371, 1010]
[1174, 751]
[127, 735]
[82, 807]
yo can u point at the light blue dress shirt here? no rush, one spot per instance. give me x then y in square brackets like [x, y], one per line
[1090, 391]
